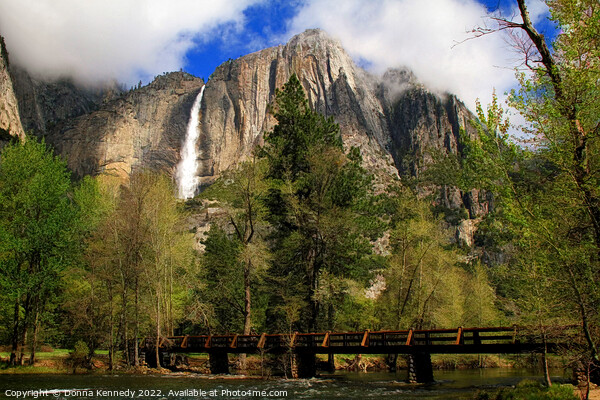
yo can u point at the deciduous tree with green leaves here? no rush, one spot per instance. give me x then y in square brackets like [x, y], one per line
[549, 189]
[37, 237]
[240, 192]
[425, 287]
[129, 281]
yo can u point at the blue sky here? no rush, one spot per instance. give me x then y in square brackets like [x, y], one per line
[264, 24]
[131, 40]
[267, 24]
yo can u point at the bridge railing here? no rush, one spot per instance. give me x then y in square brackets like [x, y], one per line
[490, 335]
[434, 337]
[343, 339]
[275, 341]
[309, 339]
[196, 342]
[247, 341]
[355, 340]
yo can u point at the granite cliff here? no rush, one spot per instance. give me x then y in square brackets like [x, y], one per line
[141, 128]
[398, 124]
[238, 93]
[43, 104]
[10, 123]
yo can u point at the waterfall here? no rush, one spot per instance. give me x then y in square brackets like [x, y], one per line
[188, 166]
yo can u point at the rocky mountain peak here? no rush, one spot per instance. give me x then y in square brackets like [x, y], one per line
[317, 44]
[170, 81]
[239, 92]
[396, 82]
[315, 38]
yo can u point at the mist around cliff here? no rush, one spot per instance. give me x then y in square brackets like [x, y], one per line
[96, 41]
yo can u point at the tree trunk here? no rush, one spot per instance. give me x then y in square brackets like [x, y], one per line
[23, 332]
[111, 348]
[15, 335]
[547, 379]
[157, 353]
[171, 318]
[35, 335]
[23, 344]
[247, 300]
[247, 309]
[314, 303]
[111, 325]
[136, 333]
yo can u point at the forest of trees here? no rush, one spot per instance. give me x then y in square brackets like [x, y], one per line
[302, 241]
[106, 262]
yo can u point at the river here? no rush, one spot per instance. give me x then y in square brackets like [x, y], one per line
[456, 384]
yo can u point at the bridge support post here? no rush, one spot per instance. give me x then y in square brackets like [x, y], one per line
[142, 356]
[330, 362]
[219, 362]
[420, 369]
[391, 360]
[306, 365]
[147, 357]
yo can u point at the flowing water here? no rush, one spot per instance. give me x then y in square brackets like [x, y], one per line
[187, 168]
[458, 384]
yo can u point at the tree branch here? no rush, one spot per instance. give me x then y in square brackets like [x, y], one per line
[540, 43]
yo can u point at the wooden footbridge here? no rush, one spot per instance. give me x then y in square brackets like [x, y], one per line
[419, 344]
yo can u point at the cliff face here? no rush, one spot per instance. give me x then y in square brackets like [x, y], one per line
[396, 122]
[235, 106]
[10, 124]
[43, 104]
[142, 128]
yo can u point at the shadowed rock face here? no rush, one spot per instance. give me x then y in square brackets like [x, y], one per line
[142, 128]
[43, 104]
[10, 124]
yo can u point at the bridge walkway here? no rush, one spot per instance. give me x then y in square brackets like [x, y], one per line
[419, 344]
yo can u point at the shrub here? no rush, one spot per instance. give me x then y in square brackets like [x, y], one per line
[79, 357]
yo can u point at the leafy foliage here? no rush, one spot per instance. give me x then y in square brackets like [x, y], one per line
[425, 286]
[37, 233]
[315, 191]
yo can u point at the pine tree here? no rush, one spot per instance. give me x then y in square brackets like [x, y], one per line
[313, 203]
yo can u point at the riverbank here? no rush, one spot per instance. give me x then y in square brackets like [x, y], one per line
[532, 389]
[450, 384]
[56, 361]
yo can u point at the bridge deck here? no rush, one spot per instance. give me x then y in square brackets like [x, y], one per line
[488, 340]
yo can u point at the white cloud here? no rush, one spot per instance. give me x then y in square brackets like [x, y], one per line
[96, 40]
[538, 10]
[422, 35]
[128, 40]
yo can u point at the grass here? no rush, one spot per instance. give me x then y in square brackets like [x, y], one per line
[44, 355]
[56, 353]
[29, 369]
[531, 390]
[47, 362]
